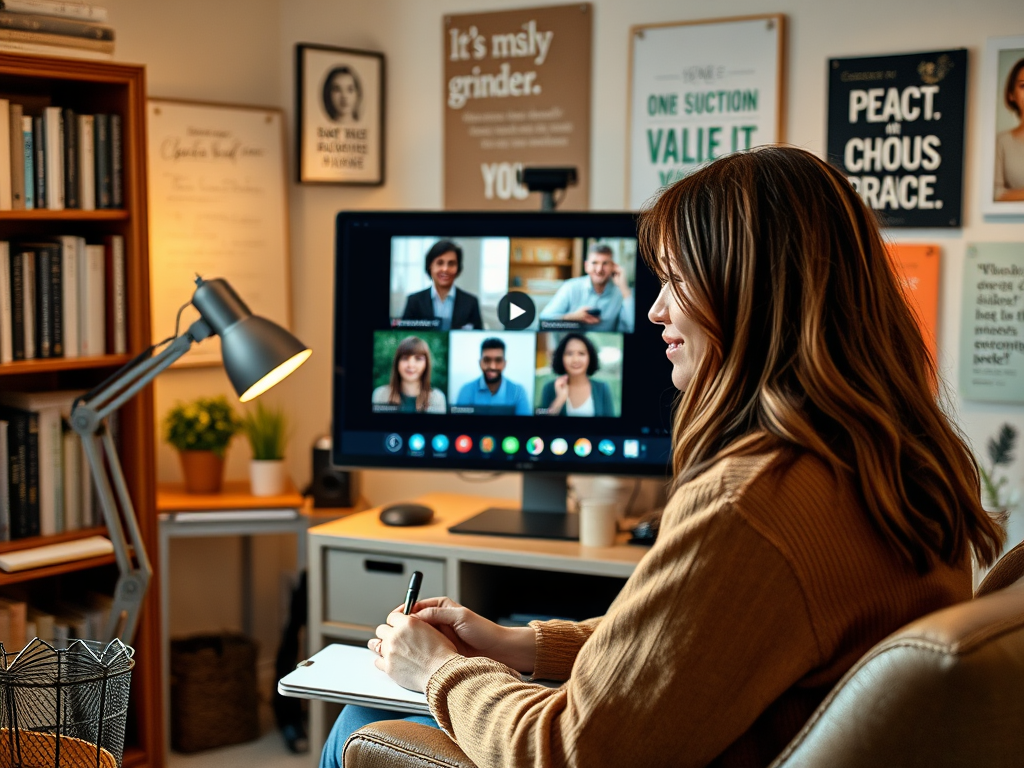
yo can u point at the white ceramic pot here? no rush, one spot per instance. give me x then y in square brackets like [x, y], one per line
[267, 477]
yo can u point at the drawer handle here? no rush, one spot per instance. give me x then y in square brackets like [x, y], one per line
[383, 567]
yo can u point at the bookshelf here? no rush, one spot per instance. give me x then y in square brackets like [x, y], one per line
[539, 265]
[98, 87]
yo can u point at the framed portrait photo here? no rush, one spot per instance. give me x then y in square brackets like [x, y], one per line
[340, 114]
[1002, 132]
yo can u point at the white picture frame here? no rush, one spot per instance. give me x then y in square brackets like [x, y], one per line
[1000, 58]
[669, 63]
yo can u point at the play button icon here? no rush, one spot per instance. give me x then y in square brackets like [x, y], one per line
[516, 311]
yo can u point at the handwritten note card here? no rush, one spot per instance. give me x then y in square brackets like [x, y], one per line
[992, 323]
[218, 208]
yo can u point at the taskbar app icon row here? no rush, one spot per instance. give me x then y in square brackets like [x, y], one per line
[416, 444]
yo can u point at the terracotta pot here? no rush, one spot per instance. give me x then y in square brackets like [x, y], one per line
[203, 470]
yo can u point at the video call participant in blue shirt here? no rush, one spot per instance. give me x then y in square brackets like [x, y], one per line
[600, 300]
[442, 300]
[493, 390]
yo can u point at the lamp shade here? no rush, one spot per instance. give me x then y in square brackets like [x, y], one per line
[257, 352]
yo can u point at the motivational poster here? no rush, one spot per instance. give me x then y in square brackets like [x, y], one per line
[896, 127]
[517, 94]
[918, 267]
[992, 323]
[700, 90]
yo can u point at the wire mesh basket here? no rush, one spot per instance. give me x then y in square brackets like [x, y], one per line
[66, 707]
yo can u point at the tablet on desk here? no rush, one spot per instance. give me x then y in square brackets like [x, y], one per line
[345, 674]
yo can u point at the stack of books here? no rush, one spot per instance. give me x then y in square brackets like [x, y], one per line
[55, 28]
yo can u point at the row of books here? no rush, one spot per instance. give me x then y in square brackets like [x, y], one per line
[59, 159]
[82, 618]
[62, 298]
[45, 484]
[55, 28]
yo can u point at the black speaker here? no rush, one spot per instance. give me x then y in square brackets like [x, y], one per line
[331, 487]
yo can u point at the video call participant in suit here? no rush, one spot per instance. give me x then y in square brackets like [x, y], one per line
[820, 500]
[574, 392]
[410, 387]
[600, 300]
[493, 392]
[443, 301]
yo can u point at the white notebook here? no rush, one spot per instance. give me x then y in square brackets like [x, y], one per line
[345, 674]
[51, 554]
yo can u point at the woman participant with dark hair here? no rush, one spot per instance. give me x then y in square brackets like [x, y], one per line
[1009, 180]
[410, 387]
[442, 301]
[342, 95]
[820, 500]
[574, 393]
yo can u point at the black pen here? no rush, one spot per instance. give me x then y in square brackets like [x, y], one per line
[413, 594]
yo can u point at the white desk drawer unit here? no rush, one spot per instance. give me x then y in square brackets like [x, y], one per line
[362, 587]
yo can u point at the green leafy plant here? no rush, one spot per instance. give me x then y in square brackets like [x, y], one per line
[1000, 453]
[205, 424]
[267, 430]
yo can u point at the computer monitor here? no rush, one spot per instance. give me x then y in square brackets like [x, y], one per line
[515, 342]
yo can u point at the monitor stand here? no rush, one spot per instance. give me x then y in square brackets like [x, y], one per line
[543, 515]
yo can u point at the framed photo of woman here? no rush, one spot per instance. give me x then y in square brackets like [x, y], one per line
[1002, 164]
[340, 114]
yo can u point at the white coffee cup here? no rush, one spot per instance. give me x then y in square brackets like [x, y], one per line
[598, 518]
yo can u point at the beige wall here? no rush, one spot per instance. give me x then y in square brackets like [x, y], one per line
[242, 51]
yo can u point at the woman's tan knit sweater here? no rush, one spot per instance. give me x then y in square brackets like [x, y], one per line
[765, 585]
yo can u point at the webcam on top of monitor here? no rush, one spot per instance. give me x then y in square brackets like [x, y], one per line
[547, 181]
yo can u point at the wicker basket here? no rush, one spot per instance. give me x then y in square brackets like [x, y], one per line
[214, 695]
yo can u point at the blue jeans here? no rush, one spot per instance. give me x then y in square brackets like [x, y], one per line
[354, 717]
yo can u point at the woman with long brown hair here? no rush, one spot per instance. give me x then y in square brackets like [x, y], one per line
[410, 385]
[821, 500]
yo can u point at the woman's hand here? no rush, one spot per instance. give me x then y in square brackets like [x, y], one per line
[410, 650]
[561, 394]
[473, 635]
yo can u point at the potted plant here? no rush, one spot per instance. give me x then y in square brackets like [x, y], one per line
[994, 495]
[267, 430]
[201, 430]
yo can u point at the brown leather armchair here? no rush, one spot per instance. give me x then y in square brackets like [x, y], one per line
[946, 690]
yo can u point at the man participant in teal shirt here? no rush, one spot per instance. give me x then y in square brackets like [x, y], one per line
[600, 300]
[492, 390]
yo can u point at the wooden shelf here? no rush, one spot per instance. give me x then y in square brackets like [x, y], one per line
[43, 214]
[56, 364]
[21, 577]
[38, 541]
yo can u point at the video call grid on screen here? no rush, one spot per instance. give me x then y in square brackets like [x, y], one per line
[537, 264]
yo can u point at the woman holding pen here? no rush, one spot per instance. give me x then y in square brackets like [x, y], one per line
[820, 500]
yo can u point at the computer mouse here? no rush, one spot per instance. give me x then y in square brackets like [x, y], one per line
[406, 514]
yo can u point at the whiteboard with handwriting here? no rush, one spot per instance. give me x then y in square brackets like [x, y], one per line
[218, 207]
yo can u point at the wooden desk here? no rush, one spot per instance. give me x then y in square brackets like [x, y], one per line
[359, 569]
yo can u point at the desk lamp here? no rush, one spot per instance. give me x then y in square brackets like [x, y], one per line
[257, 354]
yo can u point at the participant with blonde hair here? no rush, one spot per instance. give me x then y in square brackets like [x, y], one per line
[821, 500]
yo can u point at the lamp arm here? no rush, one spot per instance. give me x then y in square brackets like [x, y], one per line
[89, 420]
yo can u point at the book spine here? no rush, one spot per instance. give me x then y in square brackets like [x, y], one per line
[56, 289]
[39, 142]
[70, 10]
[17, 470]
[92, 305]
[101, 144]
[116, 163]
[23, 36]
[32, 466]
[44, 305]
[117, 320]
[54, 25]
[69, 123]
[52, 121]
[86, 163]
[5, 485]
[6, 322]
[29, 162]
[6, 199]
[17, 288]
[28, 279]
[72, 467]
[71, 248]
[17, 158]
